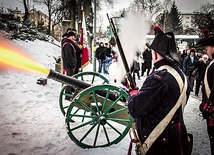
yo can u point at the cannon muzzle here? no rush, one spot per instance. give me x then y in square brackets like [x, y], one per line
[70, 81]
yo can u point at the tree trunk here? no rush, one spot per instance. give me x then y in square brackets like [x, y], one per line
[79, 15]
[26, 11]
[52, 32]
[89, 14]
[73, 13]
[49, 21]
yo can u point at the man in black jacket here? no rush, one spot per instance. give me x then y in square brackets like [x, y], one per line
[157, 97]
[147, 56]
[207, 105]
[201, 65]
[189, 65]
[69, 58]
[100, 54]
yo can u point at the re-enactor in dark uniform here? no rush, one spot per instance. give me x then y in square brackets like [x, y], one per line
[157, 97]
[207, 105]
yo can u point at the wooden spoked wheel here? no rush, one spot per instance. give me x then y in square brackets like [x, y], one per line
[98, 116]
[89, 77]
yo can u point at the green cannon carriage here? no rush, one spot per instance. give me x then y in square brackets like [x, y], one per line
[97, 110]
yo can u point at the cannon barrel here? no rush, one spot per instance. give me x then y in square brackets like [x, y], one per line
[70, 81]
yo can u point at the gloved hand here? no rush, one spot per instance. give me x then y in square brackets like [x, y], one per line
[206, 109]
[133, 92]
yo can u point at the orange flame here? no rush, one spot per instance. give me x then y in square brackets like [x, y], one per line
[12, 57]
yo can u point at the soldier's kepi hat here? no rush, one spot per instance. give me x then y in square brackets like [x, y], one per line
[209, 41]
[164, 44]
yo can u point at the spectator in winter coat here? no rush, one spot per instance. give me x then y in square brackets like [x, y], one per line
[108, 59]
[100, 54]
[199, 53]
[147, 56]
[135, 68]
[189, 66]
[142, 64]
[201, 65]
[185, 53]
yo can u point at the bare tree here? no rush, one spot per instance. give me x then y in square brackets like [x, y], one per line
[153, 7]
[149, 7]
[56, 18]
[51, 5]
[204, 17]
[138, 6]
[166, 4]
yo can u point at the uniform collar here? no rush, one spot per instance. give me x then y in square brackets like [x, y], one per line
[161, 63]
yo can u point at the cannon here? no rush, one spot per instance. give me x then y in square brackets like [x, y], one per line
[92, 78]
[97, 111]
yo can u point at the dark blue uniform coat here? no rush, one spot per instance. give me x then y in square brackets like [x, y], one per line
[155, 99]
[206, 99]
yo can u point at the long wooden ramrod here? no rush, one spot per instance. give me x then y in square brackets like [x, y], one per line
[128, 73]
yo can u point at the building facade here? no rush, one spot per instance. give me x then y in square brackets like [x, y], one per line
[188, 21]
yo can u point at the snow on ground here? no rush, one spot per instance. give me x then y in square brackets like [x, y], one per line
[32, 123]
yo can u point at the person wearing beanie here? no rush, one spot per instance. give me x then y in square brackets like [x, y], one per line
[69, 59]
[207, 104]
[64, 36]
[161, 93]
[78, 49]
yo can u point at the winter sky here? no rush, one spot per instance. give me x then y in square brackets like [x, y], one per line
[183, 5]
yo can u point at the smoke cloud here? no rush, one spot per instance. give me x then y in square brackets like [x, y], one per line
[133, 31]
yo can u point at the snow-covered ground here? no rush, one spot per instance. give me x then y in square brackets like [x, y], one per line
[31, 121]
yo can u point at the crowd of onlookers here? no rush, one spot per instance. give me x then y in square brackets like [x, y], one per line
[193, 63]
